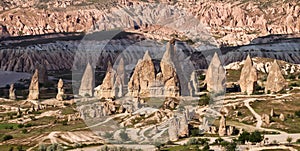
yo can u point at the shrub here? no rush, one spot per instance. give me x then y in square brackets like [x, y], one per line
[298, 141]
[255, 137]
[42, 147]
[24, 131]
[124, 135]
[297, 113]
[204, 100]
[7, 137]
[289, 140]
[192, 141]
[244, 137]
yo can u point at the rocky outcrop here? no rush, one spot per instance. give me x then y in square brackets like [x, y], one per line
[272, 113]
[275, 80]
[87, 82]
[229, 20]
[248, 77]
[183, 126]
[266, 119]
[222, 127]
[173, 129]
[282, 117]
[215, 75]
[34, 86]
[142, 78]
[12, 92]
[168, 71]
[107, 88]
[120, 79]
[60, 89]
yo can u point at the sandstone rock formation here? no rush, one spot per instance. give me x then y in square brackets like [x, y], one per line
[168, 70]
[107, 88]
[215, 75]
[248, 77]
[275, 80]
[222, 127]
[60, 89]
[87, 82]
[34, 86]
[142, 78]
[266, 119]
[12, 94]
[281, 117]
[272, 113]
[173, 129]
[183, 130]
[120, 79]
[230, 130]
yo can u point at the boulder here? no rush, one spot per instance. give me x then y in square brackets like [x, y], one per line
[12, 94]
[60, 90]
[248, 77]
[275, 80]
[215, 75]
[34, 86]
[87, 81]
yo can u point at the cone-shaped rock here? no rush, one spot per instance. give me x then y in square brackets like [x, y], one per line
[275, 81]
[34, 86]
[12, 94]
[142, 77]
[106, 89]
[168, 70]
[215, 75]
[248, 77]
[87, 81]
[60, 90]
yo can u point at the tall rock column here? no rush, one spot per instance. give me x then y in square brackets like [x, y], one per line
[12, 94]
[34, 86]
[222, 127]
[248, 77]
[61, 92]
[275, 80]
[169, 75]
[87, 81]
[215, 75]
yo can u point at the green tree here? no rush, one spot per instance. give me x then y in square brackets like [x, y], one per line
[289, 140]
[255, 137]
[244, 137]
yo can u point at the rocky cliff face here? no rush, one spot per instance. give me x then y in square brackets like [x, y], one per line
[230, 22]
